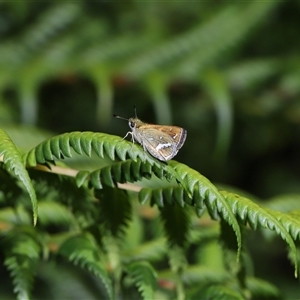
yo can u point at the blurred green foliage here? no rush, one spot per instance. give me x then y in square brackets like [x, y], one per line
[228, 72]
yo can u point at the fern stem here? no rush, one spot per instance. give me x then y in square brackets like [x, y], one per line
[178, 263]
[179, 288]
[72, 173]
[113, 256]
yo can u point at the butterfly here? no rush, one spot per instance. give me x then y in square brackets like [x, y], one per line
[161, 141]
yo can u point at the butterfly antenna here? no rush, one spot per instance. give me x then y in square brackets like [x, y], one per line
[135, 114]
[118, 117]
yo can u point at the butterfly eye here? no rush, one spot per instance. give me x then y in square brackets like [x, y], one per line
[131, 124]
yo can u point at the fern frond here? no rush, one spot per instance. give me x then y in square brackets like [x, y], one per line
[204, 43]
[22, 253]
[49, 25]
[140, 165]
[119, 172]
[81, 250]
[290, 221]
[201, 190]
[256, 216]
[13, 162]
[63, 189]
[177, 224]
[82, 177]
[115, 209]
[168, 195]
[102, 144]
[227, 29]
[144, 277]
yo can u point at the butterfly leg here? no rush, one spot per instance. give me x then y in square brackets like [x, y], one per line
[132, 138]
[129, 132]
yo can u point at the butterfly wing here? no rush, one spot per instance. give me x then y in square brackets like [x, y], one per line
[162, 142]
[177, 134]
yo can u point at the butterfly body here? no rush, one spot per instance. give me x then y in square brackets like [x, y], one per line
[161, 141]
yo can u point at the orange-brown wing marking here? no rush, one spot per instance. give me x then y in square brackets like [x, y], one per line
[178, 134]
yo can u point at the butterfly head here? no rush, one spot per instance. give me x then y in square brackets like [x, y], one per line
[134, 123]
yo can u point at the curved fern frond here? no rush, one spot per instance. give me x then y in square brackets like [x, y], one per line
[256, 216]
[81, 251]
[121, 172]
[102, 144]
[201, 190]
[144, 277]
[290, 221]
[21, 258]
[114, 147]
[12, 160]
[132, 162]
[127, 171]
